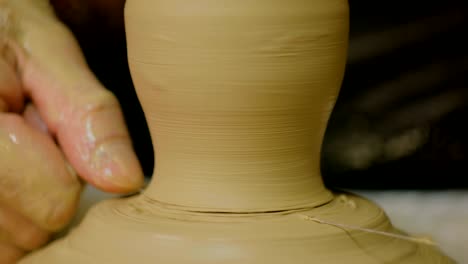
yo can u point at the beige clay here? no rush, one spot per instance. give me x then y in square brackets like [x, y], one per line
[237, 95]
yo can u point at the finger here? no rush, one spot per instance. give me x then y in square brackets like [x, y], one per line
[85, 117]
[11, 97]
[34, 119]
[9, 254]
[35, 179]
[20, 231]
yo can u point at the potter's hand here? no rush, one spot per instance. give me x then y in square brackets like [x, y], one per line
[71, 119]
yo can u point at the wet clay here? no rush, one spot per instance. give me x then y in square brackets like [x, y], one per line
[237, 95]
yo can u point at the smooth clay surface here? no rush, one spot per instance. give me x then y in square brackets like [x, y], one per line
[237, 95]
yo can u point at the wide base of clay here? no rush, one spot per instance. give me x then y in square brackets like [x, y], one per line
[144, 231]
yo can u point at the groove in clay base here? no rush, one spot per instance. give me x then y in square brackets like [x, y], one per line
[144, 231]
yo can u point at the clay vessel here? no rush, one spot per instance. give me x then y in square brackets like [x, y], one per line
[237, 95]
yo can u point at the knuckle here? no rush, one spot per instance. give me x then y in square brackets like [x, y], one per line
[49, 212]
[98, 102]
[10, 188]
[105, 120]
[59, 215]
[10, 254]
[31, 237]
[101, 99]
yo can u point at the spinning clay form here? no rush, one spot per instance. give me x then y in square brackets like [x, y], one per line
[237, 95]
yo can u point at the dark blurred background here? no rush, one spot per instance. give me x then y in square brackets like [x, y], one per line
[401, 117]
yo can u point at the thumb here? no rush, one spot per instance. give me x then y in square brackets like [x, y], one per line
[84, 117]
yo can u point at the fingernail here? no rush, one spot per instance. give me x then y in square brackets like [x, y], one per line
[118, 166]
